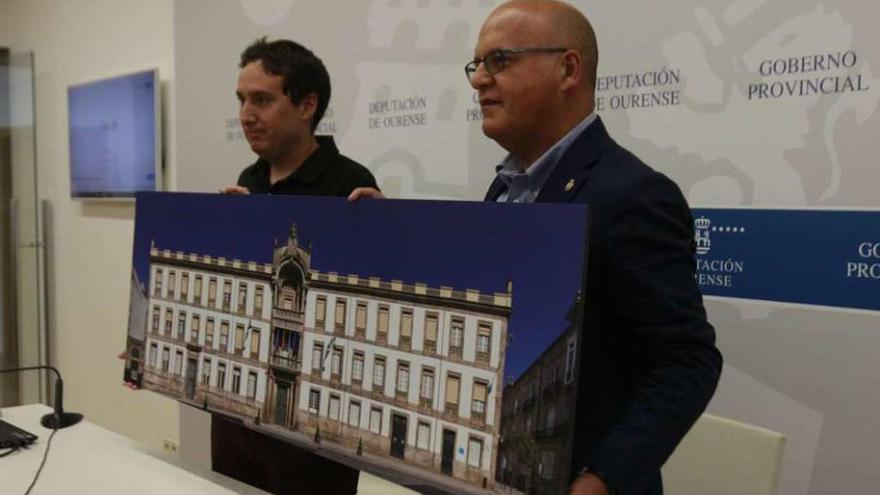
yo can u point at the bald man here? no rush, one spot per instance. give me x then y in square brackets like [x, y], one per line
[649, 363]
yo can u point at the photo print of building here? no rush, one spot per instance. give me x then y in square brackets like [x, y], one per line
[408, 373]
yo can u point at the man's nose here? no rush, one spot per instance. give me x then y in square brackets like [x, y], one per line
[246, 113]
[481, 78]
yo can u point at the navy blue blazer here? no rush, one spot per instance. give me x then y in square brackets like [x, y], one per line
[649, 363]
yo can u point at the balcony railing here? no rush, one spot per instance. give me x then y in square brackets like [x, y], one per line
[285, 361]
[286, 314]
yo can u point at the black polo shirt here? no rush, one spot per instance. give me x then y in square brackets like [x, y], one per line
[325, 172]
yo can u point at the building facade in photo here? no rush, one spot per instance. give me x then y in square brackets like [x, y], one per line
[208, 330]
[405, 371]
[409, 371]
[534, 452]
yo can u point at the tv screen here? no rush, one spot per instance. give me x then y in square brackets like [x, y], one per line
[114, 136]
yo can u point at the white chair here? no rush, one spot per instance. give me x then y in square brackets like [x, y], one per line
[720, 456]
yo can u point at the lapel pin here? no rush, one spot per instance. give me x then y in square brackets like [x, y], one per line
[569, 185]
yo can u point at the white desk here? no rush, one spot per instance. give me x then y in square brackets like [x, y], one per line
[85, 458]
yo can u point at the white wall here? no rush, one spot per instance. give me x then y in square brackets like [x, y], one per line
[75, 41]
[4, 24]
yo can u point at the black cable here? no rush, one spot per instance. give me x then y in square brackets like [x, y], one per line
[42, 463]
[11, 450]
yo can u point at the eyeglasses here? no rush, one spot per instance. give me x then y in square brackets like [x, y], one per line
[496, 61]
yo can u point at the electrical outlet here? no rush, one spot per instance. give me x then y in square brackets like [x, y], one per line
[169, 445]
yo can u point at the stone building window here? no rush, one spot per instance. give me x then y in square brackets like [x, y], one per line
[317, 356]
[456, 337]
[258, 302]
[314, 400]
[484, 340]
[320, 311]
[402, 378]
[156, 312]
[227, 295]
[426, 391]
[379, 374]
[221, 376]
[206, 371]
[339, 322]
[431, 333]
[252, 385]
[354, 413]
[406, 326]
[360, 320]
[212, 292]
[475, 452]
[382, 324]
[236, 379]
[357, 367]
[224, 336]
[157, 286]
[376, 420]
[453, 385]
[209, 333]
[478, 407]
[242, 297]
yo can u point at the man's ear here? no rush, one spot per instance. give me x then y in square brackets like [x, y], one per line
[308, 106]
[571, 70]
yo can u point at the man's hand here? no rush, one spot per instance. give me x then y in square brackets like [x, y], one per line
[365, 192]
[588, 484]
[234, 190]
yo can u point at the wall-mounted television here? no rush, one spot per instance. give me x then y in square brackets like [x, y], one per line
[115, 136]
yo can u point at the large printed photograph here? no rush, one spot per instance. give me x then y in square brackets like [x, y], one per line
[429, 341]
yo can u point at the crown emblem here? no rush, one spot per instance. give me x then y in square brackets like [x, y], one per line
[702, 223]
[701, 236]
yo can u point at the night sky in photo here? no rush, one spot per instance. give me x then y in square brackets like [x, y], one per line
[463, 245]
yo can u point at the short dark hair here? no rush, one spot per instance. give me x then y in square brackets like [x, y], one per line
[302, 71]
